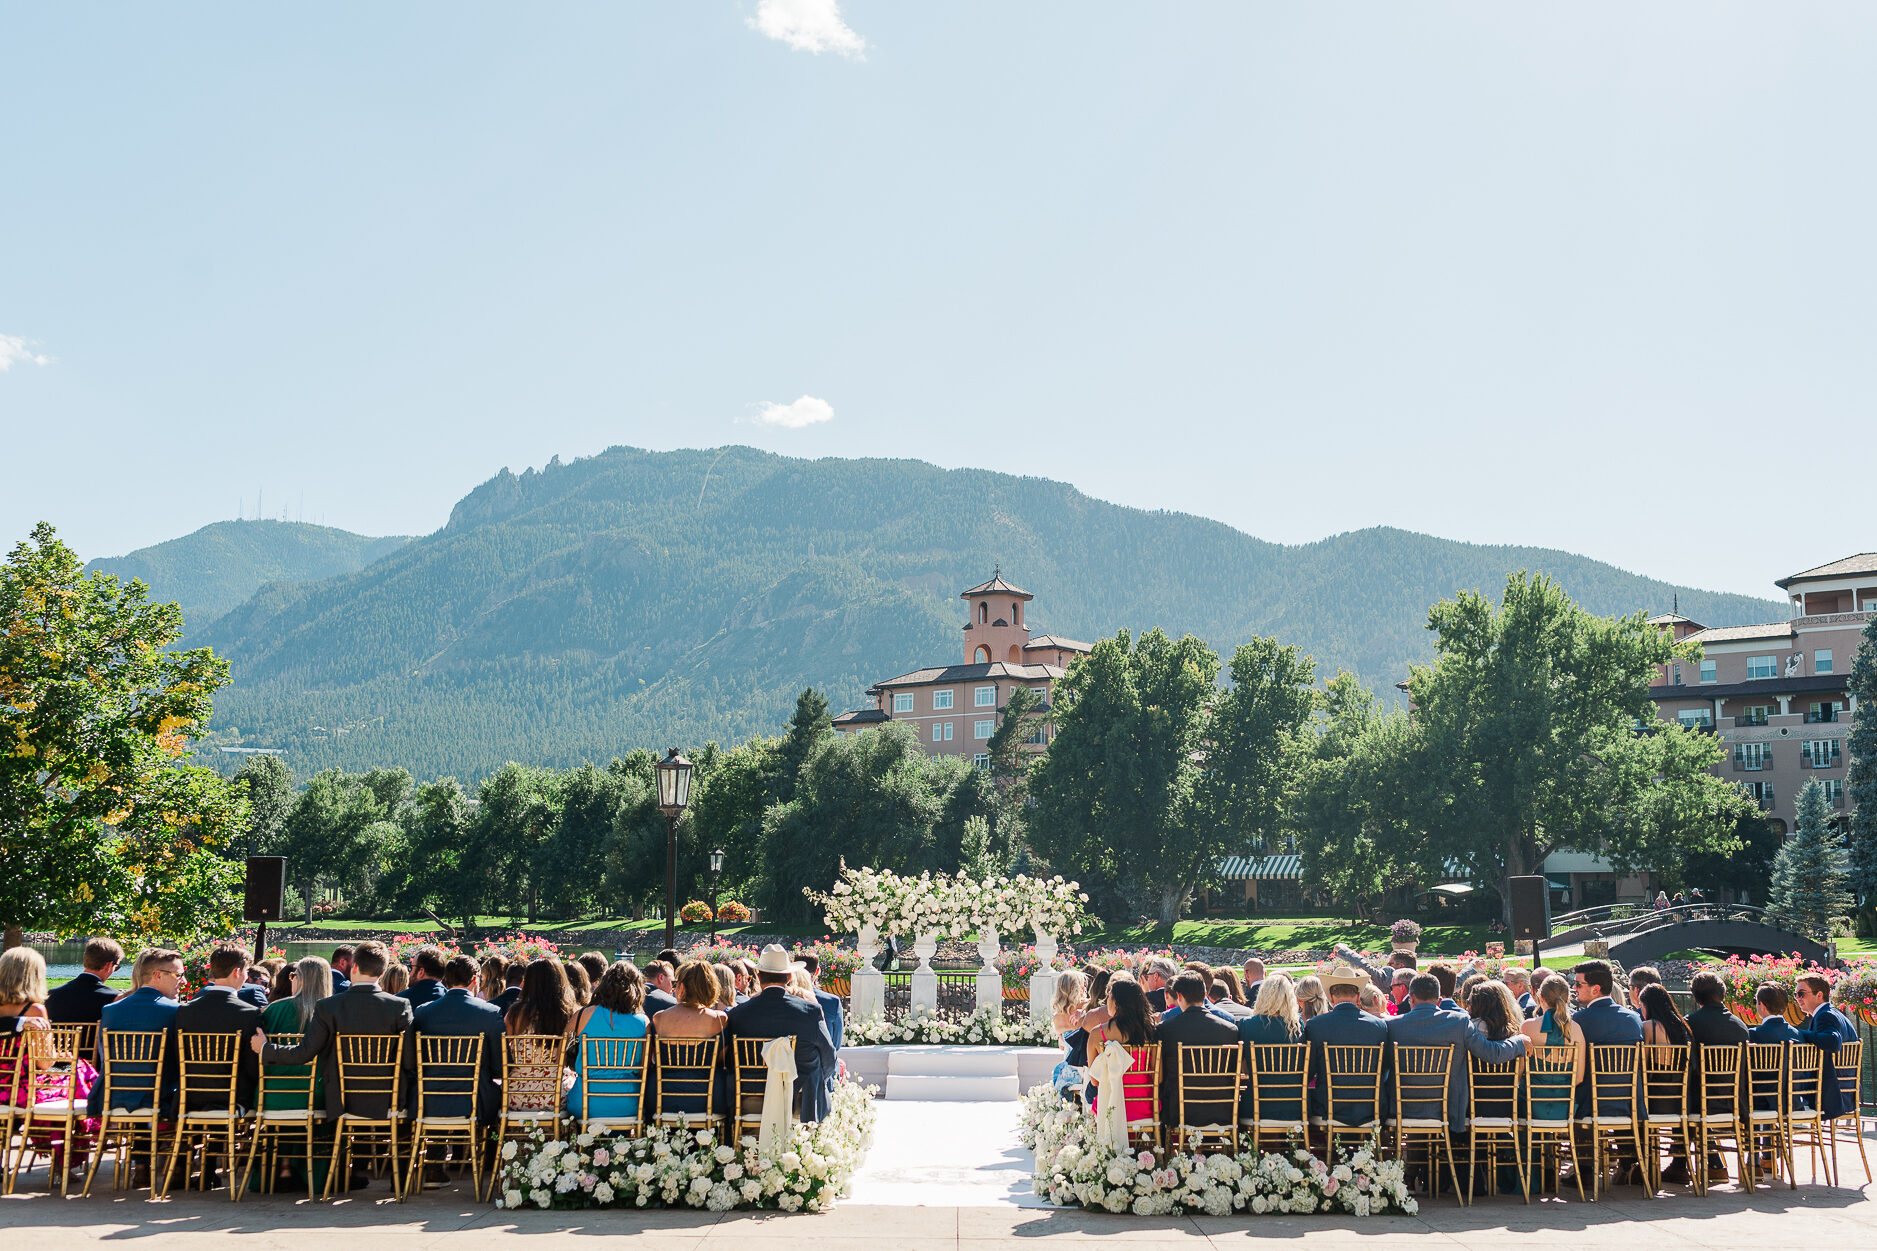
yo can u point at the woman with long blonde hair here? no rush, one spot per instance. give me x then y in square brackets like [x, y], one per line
[1310, 1001]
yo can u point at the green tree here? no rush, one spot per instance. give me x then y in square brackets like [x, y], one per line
[267, 783]
[333, 834]
[1745, 870]
[443, 867]
[1861, 777]
[808, 728]
[1020, 727]
[1808, 885]
[1536, 730]
[727, 807]
[104, 825]
[975, 854]
[572, 862]
[517, 809]
[1256, 745]
[1113, 796]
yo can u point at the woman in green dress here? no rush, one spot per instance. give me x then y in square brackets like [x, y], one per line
[311, 981]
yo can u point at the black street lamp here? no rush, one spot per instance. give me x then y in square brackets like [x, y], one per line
[674, 795]
[716, 867]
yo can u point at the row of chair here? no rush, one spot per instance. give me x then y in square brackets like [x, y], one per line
[1758, 1100]
[399, 1109]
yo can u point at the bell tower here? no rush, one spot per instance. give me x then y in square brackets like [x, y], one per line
[997, 625]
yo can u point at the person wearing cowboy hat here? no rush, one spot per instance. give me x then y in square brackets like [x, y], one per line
[772, 1012]
[1344, 1025]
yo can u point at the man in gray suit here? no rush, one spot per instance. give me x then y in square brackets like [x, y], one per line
[1427, 1024]
[361, 1009]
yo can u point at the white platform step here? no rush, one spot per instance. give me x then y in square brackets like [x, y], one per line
[953, 1062]
[885, 1066]
[946, 1088]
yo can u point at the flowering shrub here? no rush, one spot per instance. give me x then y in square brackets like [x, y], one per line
[1855, 991]
[984, 1027]
[696, 910]
[1018, 964]
[731, 910]
[195, 959]
[838, 963]
[1074, 1168]
[517, 946]
[693, 1168]
[721, 953]
[1743, 977]
[1405, 931]
[1117, 958]
[401, 948]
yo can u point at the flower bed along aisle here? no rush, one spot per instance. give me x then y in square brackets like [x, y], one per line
[1074, 1168]
[673, 1168]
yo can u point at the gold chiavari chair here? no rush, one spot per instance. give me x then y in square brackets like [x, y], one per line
[17, 1070]
[1768, 1091]
[208, 1070]
[1804, 1092]
[1279, 1087]
[533, 1070]
[1550, 1093]
[1206, 1082]
[1663, 1124]
[1352, 1080]
[371, 1076]
[1849, 1061]
[285, 1115]
[1418, 1109]
[449, 1085]
[684, 1085]
[1493, 1119]
[1716, 1115]
[612, 1070]
[1141, 1085]
[750, 1079]
[49, 1112]
[85, 1035]
[130, 1068]
[1614, 1118]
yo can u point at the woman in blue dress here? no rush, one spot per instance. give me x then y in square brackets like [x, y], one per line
[1070, 1001]
[616, 1012]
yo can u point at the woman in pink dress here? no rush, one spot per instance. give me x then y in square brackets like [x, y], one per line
[53, 1077]
[1130, 1023]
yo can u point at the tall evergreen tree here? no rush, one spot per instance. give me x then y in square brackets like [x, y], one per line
[268, 783]
[1808, 879]
[808, 727]
[1861, 780]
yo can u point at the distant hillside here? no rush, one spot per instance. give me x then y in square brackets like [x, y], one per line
[642, 599]
[223, 564]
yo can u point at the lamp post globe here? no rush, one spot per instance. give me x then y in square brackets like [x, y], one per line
[674, 796]
[716, 867]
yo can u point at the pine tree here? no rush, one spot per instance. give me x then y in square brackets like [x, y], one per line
[975, 854]
[1808, 875]
[1861, 780]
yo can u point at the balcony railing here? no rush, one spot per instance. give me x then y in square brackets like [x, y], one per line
[1819, 716]
[1749, 719]
[1807, 761]
[1753, 764]
[1766, 800]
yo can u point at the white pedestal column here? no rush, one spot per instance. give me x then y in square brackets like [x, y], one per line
[925, 977]
[1043, 981]
[990, 981]
[867, 996]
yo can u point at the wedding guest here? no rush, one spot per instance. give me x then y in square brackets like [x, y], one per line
[396, 980]
[659, 987]
[1663, 1026]
[1233, 991]
[23, 995]
[1384, 975]
[219, 1009]
[1519, 982]
[1345, 1024]
[1067, 1004]
[1827, 1029]
[150, 1007]
[457, 1012]
[578, 982]
[616, 1012]
[1771, 1000]
[671, 957]
[546, 1004]
[1254, 973]
[726, 986]
[1097, 1011]
[426, 980]
[695, 1014]
[513, 971]
[830, 1003]
[595, 964]
[1398, 993]
[1129, 1023]
[308, 982]
[1448, 977]
[1274, 1017]
[1196, 1025]
[1373, 1001]
[1712, 1025]
[82, 1000]
[1310, 1001]
[1603, 1022]
[282, 985]
[1641, 976]
[1156, 973]
[341, 965]
[492, 980]
[1553, 1027]
[773, 1013]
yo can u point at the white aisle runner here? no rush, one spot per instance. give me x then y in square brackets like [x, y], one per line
[946, 1154]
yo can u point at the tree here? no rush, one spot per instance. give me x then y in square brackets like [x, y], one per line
[975, 856]
[808, 728]
[517, 809]
[1113, 795]
[1254, 748]
[268, 784]
[444, 864]
[1861, 777]
[1535, 728]
[1808, 885]
[332, 833]
[104, 825]
[1019, 726]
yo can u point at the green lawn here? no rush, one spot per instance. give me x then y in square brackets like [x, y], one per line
[501, 925]
[1290, 933]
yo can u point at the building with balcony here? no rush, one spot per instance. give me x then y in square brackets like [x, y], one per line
[954, 709]
[1776, 694]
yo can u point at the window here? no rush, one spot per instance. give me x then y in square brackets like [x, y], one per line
[1762, 667]
[1819, 753]
[1708, 672]
[984, 697]
[1834, 791]
[982, 656]
[982, 761]
[902, 703]
[1753, 757]
[1675, 675]
[1762, 791]
[938, 732]
[983, 729]
[1037, 737]
[1827, 711]
[1821, 660]
[1692, 717]
[1754, 714]
[948, 730]
[941, 700]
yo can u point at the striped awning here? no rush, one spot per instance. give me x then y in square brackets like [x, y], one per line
[1261, 868]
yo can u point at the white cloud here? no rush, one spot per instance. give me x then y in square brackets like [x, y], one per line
[806, 411]
[808, 26]
[18, 351]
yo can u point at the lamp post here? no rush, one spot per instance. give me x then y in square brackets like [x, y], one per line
[716, 867]
[674, 795]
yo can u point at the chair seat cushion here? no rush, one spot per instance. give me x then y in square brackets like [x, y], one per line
[1607, 1122]
[293, 1114]
[1766, 1116]
[56, 1108]
[531, 1114]
[394, 1114]
[445, 1122]
[131, 1114]
[1493, 1122]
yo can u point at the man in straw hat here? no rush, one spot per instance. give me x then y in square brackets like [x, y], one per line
[1344, 1025]
[772, 1012]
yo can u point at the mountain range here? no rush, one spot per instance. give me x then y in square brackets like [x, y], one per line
[640, 598]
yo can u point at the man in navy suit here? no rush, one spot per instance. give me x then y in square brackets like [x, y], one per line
[1827, 1030]
[1427, 1024]
[503, 997]
[1254, 979]
[830, 1003]
[341, 963]
[82, 1000]
[1344, 1025]
[1604, 1022]
[456, 1012]
[426, 976]
[149, 1007]
[774, 1013]
[1194, 1023]
[1773, 1027]
[658, 994]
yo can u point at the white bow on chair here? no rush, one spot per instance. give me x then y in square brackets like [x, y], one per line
[1111, 1117]
[778, 1095]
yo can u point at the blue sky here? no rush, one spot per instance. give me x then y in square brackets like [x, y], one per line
[1596, 278]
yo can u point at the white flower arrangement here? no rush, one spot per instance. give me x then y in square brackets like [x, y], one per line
[985, 1027]
[1075, 1169]
[692, 1168]
[949, 907]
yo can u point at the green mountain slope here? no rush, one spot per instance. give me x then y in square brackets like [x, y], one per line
[223, 564]
[639, 599]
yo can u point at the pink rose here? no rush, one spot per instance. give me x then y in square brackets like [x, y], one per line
[1330, 1187]
[1145, 1160]
[602, 1158]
